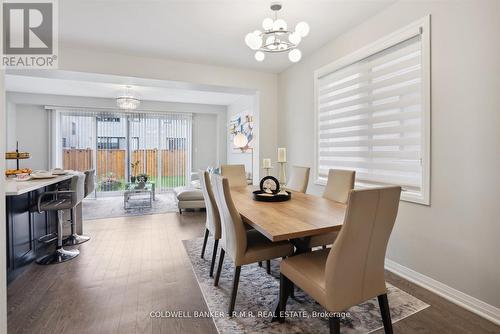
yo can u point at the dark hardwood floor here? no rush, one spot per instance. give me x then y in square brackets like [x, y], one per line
[136, 265]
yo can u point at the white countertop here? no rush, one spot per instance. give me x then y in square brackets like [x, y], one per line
[14, 188]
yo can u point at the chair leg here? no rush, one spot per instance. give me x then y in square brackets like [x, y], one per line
[204, 243]
[219, 267]
[334, 322]
[214, 255]
[260, 263]
[324, 246]
[268, 266]
[285, 285]
[385, 312]
[236, 281]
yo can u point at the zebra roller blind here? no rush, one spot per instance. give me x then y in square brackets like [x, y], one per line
[370, 118]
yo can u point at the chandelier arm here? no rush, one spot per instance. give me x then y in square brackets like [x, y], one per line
[288, 44]
[273, 32]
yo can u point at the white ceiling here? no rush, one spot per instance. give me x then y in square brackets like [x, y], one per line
[111, 87]
[202, 31]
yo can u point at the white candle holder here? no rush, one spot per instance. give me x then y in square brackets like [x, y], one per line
[268, 170]
[282, 174]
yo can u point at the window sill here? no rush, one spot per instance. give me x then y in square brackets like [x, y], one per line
[406, 196]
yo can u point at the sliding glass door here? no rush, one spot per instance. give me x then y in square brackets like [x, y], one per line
[124, 146]
[161, 149]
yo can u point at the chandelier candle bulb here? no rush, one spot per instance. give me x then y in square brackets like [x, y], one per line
[267, 24]
[259, 56]
[281, 154]
[302, 28]
[279, 25]
[295, 55]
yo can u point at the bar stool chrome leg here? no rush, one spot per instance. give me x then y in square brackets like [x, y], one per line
[75, 239]
[60, 255]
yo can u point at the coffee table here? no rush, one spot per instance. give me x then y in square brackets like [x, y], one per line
[136, 194]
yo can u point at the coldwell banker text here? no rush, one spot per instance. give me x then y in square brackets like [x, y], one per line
[29, 34]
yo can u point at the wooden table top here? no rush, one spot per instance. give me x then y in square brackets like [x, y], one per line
[302, 216]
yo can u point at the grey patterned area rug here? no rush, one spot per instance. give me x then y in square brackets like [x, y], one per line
[111, 207]
[258, 292]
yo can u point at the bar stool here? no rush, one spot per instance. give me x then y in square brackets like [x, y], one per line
[59, 201]
[78, 185]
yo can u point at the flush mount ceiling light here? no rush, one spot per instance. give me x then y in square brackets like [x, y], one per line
[127, 101]
[276, 37]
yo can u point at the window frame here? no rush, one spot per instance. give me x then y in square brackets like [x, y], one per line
[420, 27]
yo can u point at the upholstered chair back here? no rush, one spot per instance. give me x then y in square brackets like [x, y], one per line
[89, 181]
[299, 179]
[235, 174]
[355, 265]
[78, 186]
[213, 217]
[339, 183]
[234, 237]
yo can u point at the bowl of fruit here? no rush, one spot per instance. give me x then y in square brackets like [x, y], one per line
[15, 172]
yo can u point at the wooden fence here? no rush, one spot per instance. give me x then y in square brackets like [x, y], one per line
[78, 159]
[173, 163]
[112, 162]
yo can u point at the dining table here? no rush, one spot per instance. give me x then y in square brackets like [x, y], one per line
[296, 220]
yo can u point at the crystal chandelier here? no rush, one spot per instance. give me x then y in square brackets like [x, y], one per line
[127, 101]
[276, 37]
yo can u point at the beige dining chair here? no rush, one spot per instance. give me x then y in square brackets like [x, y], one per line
[243, 246]
[212, 223]
[235, 174]
[352, 271]
[299, 179]
[339, 184]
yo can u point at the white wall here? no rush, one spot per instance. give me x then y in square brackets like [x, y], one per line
[244, 106]
[206, 132]
[10, 115]
[31, 125]
[10, 131]
[265, 84]
[456, 239]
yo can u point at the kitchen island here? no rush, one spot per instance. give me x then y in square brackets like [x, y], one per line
[25, 225]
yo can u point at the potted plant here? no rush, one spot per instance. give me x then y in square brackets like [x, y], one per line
[143, 177]
[134, 166]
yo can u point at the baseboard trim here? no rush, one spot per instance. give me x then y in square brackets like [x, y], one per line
[459, 298]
